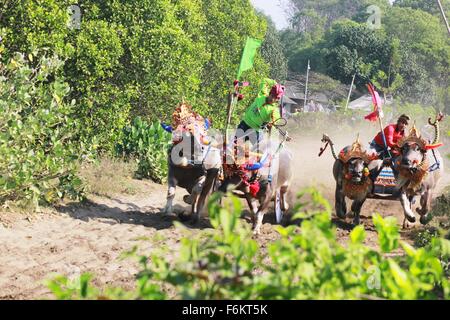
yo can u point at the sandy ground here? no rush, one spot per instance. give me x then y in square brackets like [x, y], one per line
[91, 237]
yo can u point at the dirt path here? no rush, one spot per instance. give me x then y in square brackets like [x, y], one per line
[317, 171]
[92, 237]
[79, 239]
[88, 238]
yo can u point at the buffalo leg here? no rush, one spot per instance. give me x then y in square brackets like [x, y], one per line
[340, 205]
[356, 210]
[259, 220]
[253, 205]
[262, 210]
[406, 204]
[196, 191]
[206, 189]
[170, 194]
[283, 200]
[425, 203]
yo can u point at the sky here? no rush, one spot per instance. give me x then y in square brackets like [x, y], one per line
[274, 9]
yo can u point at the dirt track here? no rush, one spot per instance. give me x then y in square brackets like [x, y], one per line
[91, 238]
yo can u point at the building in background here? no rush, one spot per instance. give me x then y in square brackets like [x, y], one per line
[295, 99]
[365, 103]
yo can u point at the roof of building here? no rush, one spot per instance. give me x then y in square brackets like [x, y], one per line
[293, 92]
[364, 103]
[288, 100]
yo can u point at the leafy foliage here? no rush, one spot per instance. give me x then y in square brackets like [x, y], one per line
[225, 263]
[424, 55]
[408, 57]
[148, 144]
[228, 25]
[429, 6]
[140, 57]
[272, 52]
[305, 12]
[38, 134]
[353, 48]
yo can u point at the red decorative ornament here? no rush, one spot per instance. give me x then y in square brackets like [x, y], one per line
[433, 146]
[372, 117]
[254, 189]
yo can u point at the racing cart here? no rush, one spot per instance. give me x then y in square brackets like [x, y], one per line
[384, 185]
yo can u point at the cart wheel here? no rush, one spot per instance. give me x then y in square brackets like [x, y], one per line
[278, 211]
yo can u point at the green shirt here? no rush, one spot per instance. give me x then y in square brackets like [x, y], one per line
[260, 112]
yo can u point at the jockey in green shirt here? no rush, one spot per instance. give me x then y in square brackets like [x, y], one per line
[265, 109]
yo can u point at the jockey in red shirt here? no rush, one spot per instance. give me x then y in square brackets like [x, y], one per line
[393, 134]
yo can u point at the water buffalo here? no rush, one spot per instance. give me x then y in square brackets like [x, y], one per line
[419, 168]
[352, 171]
[194, 166]
[271, 180]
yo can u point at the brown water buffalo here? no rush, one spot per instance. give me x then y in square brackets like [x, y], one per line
[352, 173]
[419, 168]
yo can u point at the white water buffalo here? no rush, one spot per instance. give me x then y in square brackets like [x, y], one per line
[419, 168]
[271, 179]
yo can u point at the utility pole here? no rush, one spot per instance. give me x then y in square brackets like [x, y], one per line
[350, 92]
[306, 87]
[443, 15]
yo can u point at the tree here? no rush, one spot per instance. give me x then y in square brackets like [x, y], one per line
[229, 23]
[38, 141]
[308, 21]
[272, 51]
[139, 57]
[429, 6]
[329, 10]
[350, 48]
[425, 54]
[418, 87]
[391, 81]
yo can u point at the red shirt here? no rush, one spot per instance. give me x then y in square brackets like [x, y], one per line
[392, 136]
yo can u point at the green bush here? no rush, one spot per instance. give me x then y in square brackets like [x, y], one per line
[38, 135]
[441, 206]
[140, 57]
[148, 144]
[306, 263]
[439, 224]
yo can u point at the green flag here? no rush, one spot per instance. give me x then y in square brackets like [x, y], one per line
[248, 55]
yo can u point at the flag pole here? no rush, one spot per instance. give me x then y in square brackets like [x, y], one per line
[247, 59]
[441, 8]
[381, 127]
[306, 87]
[383, 135]
[230, 112]
[378, 113]
[350, 92]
